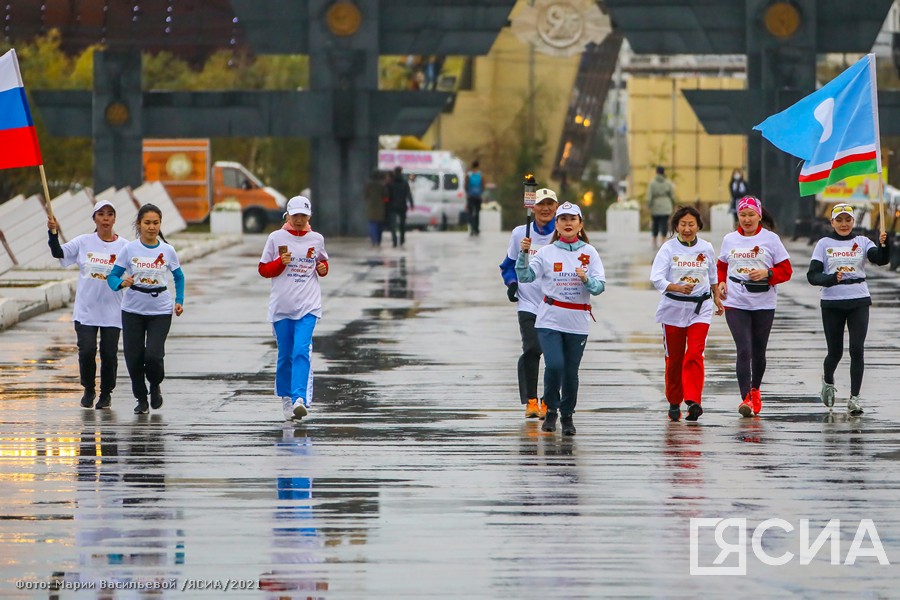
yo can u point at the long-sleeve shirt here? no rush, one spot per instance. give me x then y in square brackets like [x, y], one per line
[677, 263]
[847, 255]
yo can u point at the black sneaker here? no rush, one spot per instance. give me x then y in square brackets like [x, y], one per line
[568, 426]
[156, 398]
[104, 401]
[694, 411]
[142, 407]
[674, 412]
[87, 400]
[549, 423]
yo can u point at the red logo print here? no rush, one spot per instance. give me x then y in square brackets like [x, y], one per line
[701, 257]
[585, 260]
[557, 267]
[755, 250]
[112, 258]
[310, 253]
[855, 246]
[159, 261]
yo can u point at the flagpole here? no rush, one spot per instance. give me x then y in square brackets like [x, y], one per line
[874, 86]
[47, 194]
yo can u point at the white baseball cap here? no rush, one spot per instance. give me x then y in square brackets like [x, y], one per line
[567, 208]
[298, 205]
[544, 194]
[101, 204]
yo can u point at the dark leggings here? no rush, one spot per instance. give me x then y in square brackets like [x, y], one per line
[750, 330]
[144, 343]
[857, 323]
[530, 361]
[87, 355]
[562, 357]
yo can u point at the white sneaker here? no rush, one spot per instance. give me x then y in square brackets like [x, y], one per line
[827, 393]
[853, 406]
[299, 410]
[286, 408]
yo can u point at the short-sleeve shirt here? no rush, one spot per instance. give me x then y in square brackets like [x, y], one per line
[95, 303]
[529, 294]
[295, 292]
[677, 263]
[848, 257]
[554, 270]
[743, 253]
[149, 267]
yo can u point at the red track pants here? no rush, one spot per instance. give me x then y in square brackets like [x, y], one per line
[684, 362]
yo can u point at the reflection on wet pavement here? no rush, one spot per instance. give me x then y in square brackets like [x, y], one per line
[415, 474]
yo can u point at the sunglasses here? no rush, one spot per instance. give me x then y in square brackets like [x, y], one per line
[841, 209]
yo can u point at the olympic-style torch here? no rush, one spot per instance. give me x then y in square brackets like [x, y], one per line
[529, 197]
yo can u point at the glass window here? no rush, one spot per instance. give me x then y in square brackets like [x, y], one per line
[232, 178]
[451, 182]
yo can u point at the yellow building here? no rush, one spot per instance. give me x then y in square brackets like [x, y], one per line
[663, 130]
[482, 122]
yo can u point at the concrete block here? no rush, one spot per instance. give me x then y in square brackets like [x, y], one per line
[74, 214]
[623, 222]
[226, 221]
[126, 210]
[9, 313]
[155, 193]
[27, 236]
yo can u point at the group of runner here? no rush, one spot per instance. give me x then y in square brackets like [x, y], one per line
[550, 272]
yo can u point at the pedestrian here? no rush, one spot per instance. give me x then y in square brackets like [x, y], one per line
[528, 297]
[98, 309]
[752, 261]
[400, 201]
[569, 272]
[147, 305]
[839, 265]
[377, 197]
[738, 188]
[661, 201]
[474, 193]
[294, 259]
[684, 271]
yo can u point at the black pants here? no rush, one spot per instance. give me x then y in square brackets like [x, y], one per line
[144, 342]
[87, 356]
[397, 220]
[750, 330]
[530, 361]
[660, 225]
[856, 321]
[473, 206]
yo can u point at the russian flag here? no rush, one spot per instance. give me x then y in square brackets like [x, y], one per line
[18, 138]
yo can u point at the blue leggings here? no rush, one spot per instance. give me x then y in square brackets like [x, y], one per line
[293, 375]
[562, 357]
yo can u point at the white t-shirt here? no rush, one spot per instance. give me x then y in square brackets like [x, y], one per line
[148, 267]
[296, 292]
[554, 270]
[95, 303]
[529, 294]
[677, 263]
[744, 253]
[848, 257]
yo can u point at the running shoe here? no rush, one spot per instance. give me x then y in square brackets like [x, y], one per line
[142, 407]
[542, 407]
[299, 409]
[568, 425]
[854, 407]
[755, 401]
[156, 399]
[674, 412]
[549, 423]
[532, 410]
[87, 400]
[287, 408]
[746, 408]
[827, 393]
[694, 411]
[105, 400]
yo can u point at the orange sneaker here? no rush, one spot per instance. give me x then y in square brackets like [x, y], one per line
[532, 409]
[755, 401]
[542, 407]
[746, 408]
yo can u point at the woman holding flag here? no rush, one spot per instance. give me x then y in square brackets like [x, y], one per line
[838, 265]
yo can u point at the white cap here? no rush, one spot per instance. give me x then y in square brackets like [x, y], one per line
[101, 204]
[544, 194]
[298, 205]
[567, 208]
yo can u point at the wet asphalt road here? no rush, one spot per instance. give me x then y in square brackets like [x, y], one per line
[415, 475]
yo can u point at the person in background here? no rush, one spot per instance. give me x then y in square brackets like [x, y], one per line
[147, 305]
[752, 261]
[685, 273]
[474, 193]
[294, 259]
[661, 201]
[377, 196]
[569, 272]
[528, 297]
[738, 188]
[400, 201]
[838, 265]
[98, 309]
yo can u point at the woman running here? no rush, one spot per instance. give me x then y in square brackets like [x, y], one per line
[752, 261]
[839, 265]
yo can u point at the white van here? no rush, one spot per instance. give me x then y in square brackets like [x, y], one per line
[436, 178]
